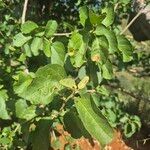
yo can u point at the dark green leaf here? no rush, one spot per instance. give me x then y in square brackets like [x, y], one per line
[41, 135]
[94, 121]
[72, 121]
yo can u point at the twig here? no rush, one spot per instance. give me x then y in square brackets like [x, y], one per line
[63, 34]
[116, 6]
[131, 22]
[23, 21]
[24, 11]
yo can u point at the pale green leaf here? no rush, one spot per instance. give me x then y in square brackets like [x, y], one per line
[107, 70]
[3, 109]
[28, 27]
[50, 28]
[19, 39]
[36, 45]
[58, 53]
[75, 42]
[68, 82]
[24, 80]
[23, 111]
[47, 47]
[83, 14]
[27, 50]
[77, 49]
[110, 15]
[83, 82]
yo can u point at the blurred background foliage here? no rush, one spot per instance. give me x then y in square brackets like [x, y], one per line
[121, 98]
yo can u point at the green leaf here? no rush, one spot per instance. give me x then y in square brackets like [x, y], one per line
[94, 121]
[58, 53]
[50, 28]
[36, 45]
[72, 121]
[83, 82]
[83, 14]
[77, 49]
[82, 72]
[137, 121]
[24, 80]
[45, 85]
[98, 52]
[27, 50]
[125, 47]
[3, 109]
[47, 47]
[41, 135]
[107, 70]
[28, 27]
[79, 58]
[110, 36]
[23, 111]
[96, 19]
[110, 15]
[75, 42]
[111, 116]
[129, 129]
[69, 83]
[102, 90]
[20, 39]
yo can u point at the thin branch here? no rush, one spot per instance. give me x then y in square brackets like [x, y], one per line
[116, 6]
[23, 18]
[63, 34]
[24, 11]
[131, 22]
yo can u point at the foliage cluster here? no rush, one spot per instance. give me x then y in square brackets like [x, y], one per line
[48, 77]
